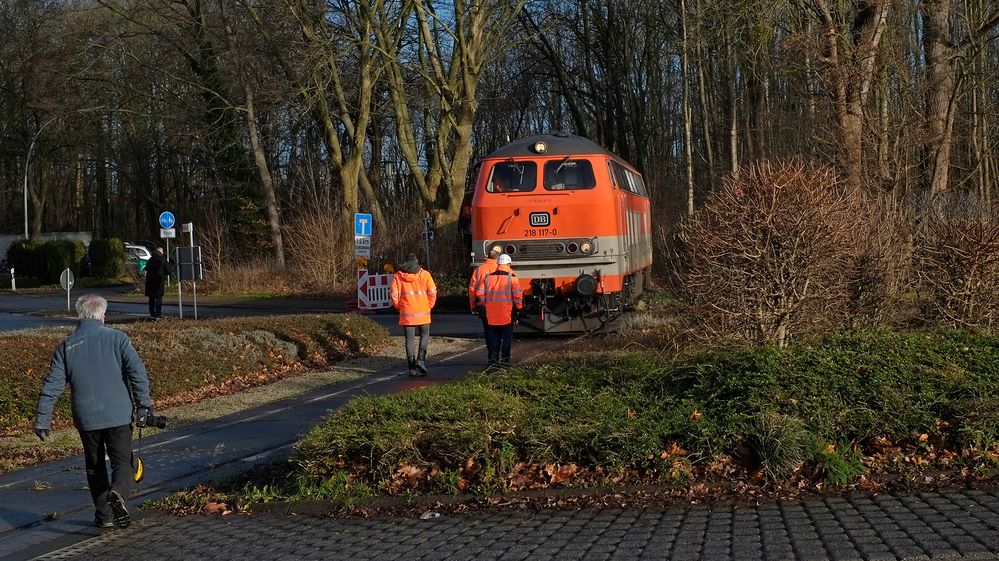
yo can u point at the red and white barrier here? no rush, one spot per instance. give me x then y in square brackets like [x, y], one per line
[373, 291]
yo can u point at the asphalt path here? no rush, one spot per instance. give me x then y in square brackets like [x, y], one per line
[29, 311]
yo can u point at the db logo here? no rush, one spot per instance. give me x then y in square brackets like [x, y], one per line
[540, 219]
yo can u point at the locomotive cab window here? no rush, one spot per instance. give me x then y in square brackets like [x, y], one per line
[569, 175]
[512, 177]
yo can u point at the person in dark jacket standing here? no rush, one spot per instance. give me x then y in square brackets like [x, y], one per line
[106, 377]
[157, 270]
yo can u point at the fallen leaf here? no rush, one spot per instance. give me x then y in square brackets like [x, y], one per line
[213, 507]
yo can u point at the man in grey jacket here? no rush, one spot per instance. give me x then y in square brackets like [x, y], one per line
[105, 375]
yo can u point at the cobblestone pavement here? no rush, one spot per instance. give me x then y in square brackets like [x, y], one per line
[961, 525]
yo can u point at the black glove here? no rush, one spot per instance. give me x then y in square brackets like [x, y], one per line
[42, 434]
[141, 415]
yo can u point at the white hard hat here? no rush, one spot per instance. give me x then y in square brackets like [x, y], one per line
[504, 260]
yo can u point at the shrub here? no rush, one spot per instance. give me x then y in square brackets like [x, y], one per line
[958, 262]
[319, 248]
[26, 258]
[880, 269]
[768, 253]
[108, 258]
[60, 255]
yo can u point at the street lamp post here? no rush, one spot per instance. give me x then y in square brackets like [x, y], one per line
[27, 159]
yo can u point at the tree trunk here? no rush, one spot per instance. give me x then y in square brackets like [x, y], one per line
[941, 92]
[39, 198]
[266, 180]
[687, 132]
[733, 107]
[851, 51]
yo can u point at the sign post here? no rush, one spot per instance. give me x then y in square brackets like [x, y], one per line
[188, 228]
[180, 286]
[428, 236]
[167, 231]
[362, 235]
[66, 280]
[167, 234]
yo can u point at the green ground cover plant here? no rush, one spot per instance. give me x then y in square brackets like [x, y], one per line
[821, 414]
[190, 360]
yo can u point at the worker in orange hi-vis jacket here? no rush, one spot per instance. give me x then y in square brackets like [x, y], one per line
[414, 293]
[473, 300]
[502, 296]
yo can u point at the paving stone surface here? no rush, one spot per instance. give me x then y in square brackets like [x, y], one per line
[961, 525]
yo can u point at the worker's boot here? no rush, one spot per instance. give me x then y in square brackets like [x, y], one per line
[421, 363]
[412, 366]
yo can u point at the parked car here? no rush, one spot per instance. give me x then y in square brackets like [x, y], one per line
[136, 256]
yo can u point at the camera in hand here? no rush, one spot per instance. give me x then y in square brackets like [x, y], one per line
[147, 419]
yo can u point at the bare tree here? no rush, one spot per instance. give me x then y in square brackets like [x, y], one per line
[336, 82]
[449, 58]
[850, 42]
[944, 48]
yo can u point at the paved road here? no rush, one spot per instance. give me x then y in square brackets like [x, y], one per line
[13, 322]
[930, 526]
[22, 311]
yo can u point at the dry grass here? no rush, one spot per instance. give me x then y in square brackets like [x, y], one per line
[188, 361]
[17, 452]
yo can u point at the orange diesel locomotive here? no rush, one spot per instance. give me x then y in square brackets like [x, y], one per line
[575, 219]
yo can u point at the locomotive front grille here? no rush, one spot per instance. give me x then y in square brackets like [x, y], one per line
[543, 249]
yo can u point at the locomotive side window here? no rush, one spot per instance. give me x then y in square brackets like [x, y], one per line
[629, 180]
[569, 175]
[623, 177]
[640, 183]
[512, 177]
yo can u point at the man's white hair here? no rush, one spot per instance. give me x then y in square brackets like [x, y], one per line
[91, 306]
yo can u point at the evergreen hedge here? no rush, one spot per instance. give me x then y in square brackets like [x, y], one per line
[108, 258]
[45, 260]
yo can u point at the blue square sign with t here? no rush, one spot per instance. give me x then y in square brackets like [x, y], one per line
[362, 224]
[167, 220]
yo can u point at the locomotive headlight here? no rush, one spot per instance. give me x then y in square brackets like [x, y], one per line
[586, 248]
[540, 147]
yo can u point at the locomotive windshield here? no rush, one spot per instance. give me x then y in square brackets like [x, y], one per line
[569, 175]
[512, 177]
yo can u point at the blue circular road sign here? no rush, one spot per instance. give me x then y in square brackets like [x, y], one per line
[167, 220]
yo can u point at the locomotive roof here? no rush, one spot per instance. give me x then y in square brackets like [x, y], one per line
[558, 145]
